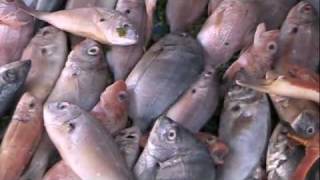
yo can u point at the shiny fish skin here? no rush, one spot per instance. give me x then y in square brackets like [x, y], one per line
[182, 14]
[245, 123]
[172, 153]
[112, 109]
[198, 104]
[123, 59]
[84, 75]
[16, 28]
[21, 138]
[12, 78]
[105, 26]
[164, 73]
[229, 29]
[76, 134]
[48, 52]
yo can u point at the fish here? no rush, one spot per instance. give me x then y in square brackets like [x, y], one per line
[229, 29]
[274, 12]
[128, 142]
[299, 38]
[194, 109]
[172, 152]
[162, 75]
[315, 4]
[178, 16]
[16, 30]
[258, 59]
[85, 74]
[73, 4]
[21, 138]
[245, 123]
[212, 5]
[108, 27]
[48, 52]
[61, 171]
[151, 6]
[75, 133]
[122, 59]
[112, 109]
[12, 78]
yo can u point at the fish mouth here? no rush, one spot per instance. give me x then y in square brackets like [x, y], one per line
[125, 37]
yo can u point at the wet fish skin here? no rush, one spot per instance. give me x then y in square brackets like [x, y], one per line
[75, 133]
[128, 142]
[177, 153]
[274, 12]
[85, 75]
[245, 122]
[112, 109]
[198, 104]
[259, 57]
[21, 138]
[164, 73]
[61, 171]
[12, 78]
[16, 28]
[47, 51]
[108, 27]
[122, 59]
[299, 38]
[178, 15]
[229, 29]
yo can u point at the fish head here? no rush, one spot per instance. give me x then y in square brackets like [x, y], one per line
[14, 74]
[167, 139]
[119, 30]
[28, 108]
[116, 96]
[60, 117]
[87, 53]
[302, 13]
[306, 124]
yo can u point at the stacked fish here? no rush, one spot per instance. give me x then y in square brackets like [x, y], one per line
[159, 90]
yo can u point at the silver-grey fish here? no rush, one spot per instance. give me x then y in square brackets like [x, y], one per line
[173, 153]
[12, 78]
[163, 74]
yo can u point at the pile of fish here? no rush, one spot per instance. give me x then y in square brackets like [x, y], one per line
[159, 90]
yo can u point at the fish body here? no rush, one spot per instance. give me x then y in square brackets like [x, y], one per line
[48, 52]
[21, 138]
[85, 75]
[61, 171]
[172, 153]
[122, 59]
[16, 28]
[12, 78]
[163, 74]
[86, 147]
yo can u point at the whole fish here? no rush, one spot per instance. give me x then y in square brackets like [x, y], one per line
[274, 12]
[151, 6]
[76, 134]
[229, 29]
[299, 38]
[84, 75]
[172, 153]
[112, 109]
[163, 74]
[61, 171]
[245, 125]
[182, 14]
[123, 59]
[128, 142]
[105, 26]
[16, 28]
[47, 51]
[73, 4]
[21, 138]
[198, 104]
[259, 57]
[12, 78]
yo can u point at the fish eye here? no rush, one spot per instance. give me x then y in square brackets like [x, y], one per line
[45, 33]
[193, 91]
[93, 51]
[294, 30]
[61, 106]
[272, 46]
[226, 43]
[122, 96]
[71, 126]
[31, 105]
[127, 11]
[172, 134]
[10, 76]
[102, 20]
[310, 130]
